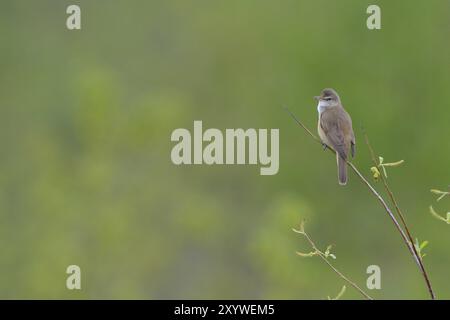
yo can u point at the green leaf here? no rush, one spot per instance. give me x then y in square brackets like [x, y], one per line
[441, 194]
[307, 255]
[384, 171]
[393, 164]
[339, 295]
[423, 244]
[375, 173]
[328, 253]
[439, 217]
[419, 247]
[389, 164]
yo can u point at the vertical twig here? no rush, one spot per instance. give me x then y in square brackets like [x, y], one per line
[418, 258]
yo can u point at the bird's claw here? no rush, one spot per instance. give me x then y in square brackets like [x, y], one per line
[324, 146]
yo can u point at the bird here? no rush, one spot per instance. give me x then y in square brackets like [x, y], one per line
[335, 130]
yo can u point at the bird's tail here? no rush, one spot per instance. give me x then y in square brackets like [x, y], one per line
[342, 170]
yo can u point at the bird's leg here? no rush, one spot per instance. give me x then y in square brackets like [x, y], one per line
[324, 145]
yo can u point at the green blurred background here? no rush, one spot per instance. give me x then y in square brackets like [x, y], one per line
[85, 124]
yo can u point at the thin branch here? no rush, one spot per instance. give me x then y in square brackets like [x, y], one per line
[324, 258]
[304, 127]
[442, 194]
[402, 218]
[409, 244]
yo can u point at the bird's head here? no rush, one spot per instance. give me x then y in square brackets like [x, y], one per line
[328, 98]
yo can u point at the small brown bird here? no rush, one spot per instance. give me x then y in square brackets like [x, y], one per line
[335, 129]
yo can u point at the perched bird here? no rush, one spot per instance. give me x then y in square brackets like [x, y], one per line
[335, 129]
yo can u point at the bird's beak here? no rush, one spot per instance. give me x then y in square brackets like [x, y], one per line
[317, 98]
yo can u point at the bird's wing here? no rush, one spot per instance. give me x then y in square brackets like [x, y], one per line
[353, 140]
[334, 126]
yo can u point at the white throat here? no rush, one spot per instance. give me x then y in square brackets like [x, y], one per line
[321, 106]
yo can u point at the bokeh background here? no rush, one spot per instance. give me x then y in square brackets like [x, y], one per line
[85, 124]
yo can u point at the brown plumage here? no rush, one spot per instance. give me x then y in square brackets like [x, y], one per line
[335, 130]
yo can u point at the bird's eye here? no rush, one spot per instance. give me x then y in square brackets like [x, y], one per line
[328, 99]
